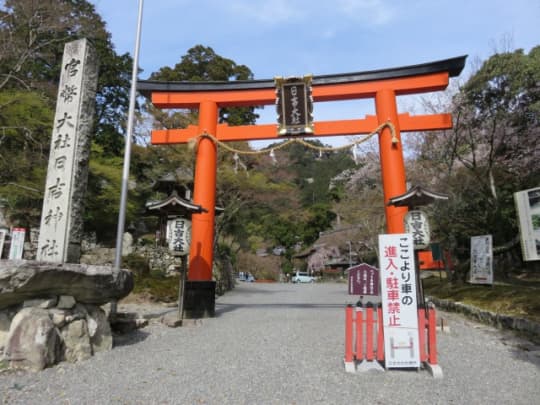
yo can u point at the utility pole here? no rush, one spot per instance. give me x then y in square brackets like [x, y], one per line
[350, 253]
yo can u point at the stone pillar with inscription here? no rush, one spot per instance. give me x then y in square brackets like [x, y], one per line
[67, 173]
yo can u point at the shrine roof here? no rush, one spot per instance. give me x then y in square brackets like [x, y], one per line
[416, 196]
[174, 203]
[453, 66]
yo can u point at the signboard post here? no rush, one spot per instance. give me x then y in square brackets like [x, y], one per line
[17, 243]
[179, 237]
[399, 305]
[481, 260]
[528, 209]
[294, 105]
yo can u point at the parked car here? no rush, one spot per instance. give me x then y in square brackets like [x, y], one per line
[301, 277]
[246, 277]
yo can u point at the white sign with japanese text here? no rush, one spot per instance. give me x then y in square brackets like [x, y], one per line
[417, 224]
[481, 260]
[17, 243]
[399, 306]
[179, 236]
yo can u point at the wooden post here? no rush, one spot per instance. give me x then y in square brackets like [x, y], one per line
[380, 333]
[369, 332]
[432, 335]
[349, 334]
[359, 333]
[422, 333]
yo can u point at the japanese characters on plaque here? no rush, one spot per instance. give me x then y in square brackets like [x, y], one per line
[481, 260]
[63, 169]
[363, 280]
[416, 223]
[398, 295]
[179, 236]
[294, 105]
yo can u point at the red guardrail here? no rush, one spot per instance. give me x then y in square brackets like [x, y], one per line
[363, 328]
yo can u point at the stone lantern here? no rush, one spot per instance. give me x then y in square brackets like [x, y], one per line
[174, 214]
[416, 221]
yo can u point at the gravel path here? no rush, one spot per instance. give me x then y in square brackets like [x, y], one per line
[281, 344]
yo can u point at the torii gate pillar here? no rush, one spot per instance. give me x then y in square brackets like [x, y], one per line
[204, 194]
[200, 289]
[391, 155]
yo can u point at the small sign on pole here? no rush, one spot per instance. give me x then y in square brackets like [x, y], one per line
[417, 224]
[481, 260]
[179, 236]
[294, 105]
[399, 305]
[363, 280]
[17, 243]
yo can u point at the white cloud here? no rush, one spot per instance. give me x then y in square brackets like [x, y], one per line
[375, 12]
[265, 11]
[270, 12]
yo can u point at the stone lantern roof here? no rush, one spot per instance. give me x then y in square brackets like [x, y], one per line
[175, 185]
[415, 197]
[173, 205]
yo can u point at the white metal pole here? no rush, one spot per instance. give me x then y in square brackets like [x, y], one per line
[350, 253]
[129, 136]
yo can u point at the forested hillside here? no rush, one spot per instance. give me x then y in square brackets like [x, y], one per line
[282, 200]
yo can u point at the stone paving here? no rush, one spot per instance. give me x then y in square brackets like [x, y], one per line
[281, 344]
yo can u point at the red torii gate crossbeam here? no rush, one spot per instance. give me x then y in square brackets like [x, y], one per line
[381, 85]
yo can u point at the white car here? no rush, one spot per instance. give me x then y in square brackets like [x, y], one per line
[300, 277]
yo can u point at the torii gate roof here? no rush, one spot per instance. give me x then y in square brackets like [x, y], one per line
[403, 80]
[452, 66]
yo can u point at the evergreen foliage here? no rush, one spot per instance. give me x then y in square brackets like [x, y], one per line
[491, 152]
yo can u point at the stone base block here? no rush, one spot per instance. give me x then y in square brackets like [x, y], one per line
[350, 366]
[199, 299]
[434, 369]
[365, 366]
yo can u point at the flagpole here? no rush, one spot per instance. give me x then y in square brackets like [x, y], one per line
[128, 141]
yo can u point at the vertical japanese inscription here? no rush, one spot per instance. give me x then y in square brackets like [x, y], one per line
[294, 104]
[398, 295]
[61, 219]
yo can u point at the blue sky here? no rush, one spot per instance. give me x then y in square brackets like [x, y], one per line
[297, 37]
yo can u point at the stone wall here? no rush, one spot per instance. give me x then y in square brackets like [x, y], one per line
[42, 332]
[51, 312]
[500, 321]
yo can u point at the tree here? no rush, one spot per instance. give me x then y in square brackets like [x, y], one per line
[203, 64]
[32, 38]
[25, 126]
[492, 152]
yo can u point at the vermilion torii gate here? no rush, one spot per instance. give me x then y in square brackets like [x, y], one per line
[381, 85]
